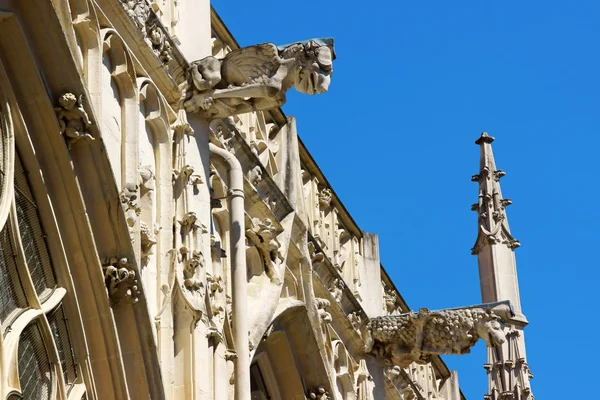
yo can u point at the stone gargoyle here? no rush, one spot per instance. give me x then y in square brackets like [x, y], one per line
[257, 77]
[415, 337]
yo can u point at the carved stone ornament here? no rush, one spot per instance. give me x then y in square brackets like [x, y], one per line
[263, 236]
[257, 78]
[120, 280]
[415, 337]
[318, 394]
[160, 46]
[324, 197]
[148, 239]
[128, 198]
[191, 265]
[72, 119]
[389, 300]
[322, 305]
[336, 288]
[146, 21]
[355, 320]
[491, 206]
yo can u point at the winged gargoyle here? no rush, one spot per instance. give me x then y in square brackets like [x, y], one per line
[257, 77]
[415, 337]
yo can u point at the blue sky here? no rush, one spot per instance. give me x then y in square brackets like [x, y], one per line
[414, 85]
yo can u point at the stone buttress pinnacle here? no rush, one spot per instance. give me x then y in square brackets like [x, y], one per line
[507, 368]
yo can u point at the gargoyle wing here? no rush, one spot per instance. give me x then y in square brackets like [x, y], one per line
[250, 64]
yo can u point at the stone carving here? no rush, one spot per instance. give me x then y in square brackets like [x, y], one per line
[493, 227]
[255, 175]
[257, 77]
[355, 320]
[414, 337]
[324, 197]
[214, 285]
[146, 21]
[138, 11]
[72, 119]
[147, 239]
[263, 236]
[159, 43]
[191, 264]
[364, 382]
[318, 394]
[389, 300]
[336, 288]
[322, 304]
[147, 177]
[120, 280]
[128, 198]
[188, 223]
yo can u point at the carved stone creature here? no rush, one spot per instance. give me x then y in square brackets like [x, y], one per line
[128, 197]
[138, 11]
[120, 280]
[160, 45]
[414, 337]
[322, 305]
[72, 119]
[355, 320]
[389, 300]
[336, 288]
[191, 263]
[319, 394]
[257, 77]
[263, 236]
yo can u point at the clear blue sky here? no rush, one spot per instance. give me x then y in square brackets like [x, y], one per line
[413, 86]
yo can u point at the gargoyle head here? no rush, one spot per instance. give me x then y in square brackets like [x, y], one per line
[315, 64]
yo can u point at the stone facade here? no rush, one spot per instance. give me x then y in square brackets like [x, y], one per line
[165, 234]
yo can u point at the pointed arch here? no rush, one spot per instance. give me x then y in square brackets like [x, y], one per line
[119, 112]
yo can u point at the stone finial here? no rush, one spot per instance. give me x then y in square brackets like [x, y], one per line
[415, 337]
[493, 225]
[257, 78]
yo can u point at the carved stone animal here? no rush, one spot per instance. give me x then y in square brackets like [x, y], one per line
[409, 337]
[257, 77]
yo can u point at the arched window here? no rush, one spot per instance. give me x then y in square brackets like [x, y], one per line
[36, 343]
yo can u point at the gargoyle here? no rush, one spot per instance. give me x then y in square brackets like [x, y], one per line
[257, 77]
[415, 337]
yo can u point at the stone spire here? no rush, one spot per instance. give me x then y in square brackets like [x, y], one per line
[508, 372]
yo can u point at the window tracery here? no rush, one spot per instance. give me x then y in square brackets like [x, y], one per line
[38, 357]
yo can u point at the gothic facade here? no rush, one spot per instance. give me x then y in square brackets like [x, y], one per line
[164, 233]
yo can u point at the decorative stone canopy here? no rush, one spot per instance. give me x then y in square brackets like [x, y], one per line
[415, 337]
[257, 78]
